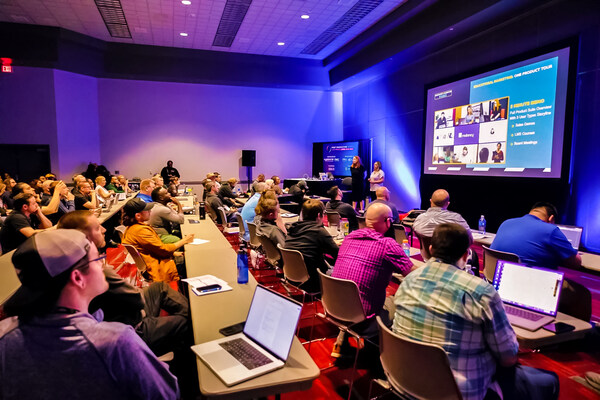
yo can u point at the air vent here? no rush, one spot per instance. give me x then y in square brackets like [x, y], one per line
[114, 18]
[345, 22]
[231, 20]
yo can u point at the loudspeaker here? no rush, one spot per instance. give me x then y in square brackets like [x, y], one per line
[248, 158]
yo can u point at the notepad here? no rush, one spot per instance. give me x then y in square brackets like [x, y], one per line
[205, 281]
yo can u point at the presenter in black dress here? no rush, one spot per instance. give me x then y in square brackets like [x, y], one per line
[358, 183]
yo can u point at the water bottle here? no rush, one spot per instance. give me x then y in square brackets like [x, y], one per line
[406, 247]
[196, 208]
[345, 226]
[482, 225]
[202, 211]
[242, 265]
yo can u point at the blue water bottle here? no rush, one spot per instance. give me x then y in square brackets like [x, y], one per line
[482, 225]
[242, 265]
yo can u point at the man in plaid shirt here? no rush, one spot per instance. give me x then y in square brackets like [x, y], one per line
[369, 259]
[444, 305]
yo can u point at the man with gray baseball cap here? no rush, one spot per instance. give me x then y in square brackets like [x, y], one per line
[52, 348]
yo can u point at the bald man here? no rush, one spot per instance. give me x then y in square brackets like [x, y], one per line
[438, 214]
[369, 259]
[383, 196]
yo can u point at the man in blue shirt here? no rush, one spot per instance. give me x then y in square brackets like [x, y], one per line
[536, 240]
[146, 188]
[248, 212]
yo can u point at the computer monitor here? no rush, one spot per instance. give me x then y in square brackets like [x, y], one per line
[573, 234]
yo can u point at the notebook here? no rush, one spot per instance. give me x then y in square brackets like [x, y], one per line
[573, 234]
[262, 347]
[530, 294]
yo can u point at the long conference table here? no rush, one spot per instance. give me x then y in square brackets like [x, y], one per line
[214, 311]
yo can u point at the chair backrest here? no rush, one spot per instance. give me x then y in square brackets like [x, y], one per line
[425, 243]
[333, 217]
[211, 213]
[361, 221]
[135, 254]
[404, 362]
[341, 299]
[490, 259]
[254, 242]
[121, 231]
[240, 221]
[223, 217]
[273, 254]
[399, 233]
[294, 267]
[347, 183]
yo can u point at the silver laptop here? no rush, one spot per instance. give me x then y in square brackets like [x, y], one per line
[263, 346]
[573, 234]
[530, 294]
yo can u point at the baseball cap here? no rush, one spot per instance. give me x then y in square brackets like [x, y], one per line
[136, 205]
[41, 258]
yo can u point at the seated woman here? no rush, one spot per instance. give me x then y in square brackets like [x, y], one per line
[270, 224]
[157, 255]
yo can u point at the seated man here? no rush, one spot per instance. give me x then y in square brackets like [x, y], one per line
[216, 203]
[259, 179]
[226, 194]
[164, 219]
[249, 210]
[46, 195]
[56, 340]
[139, 308]
[442, 304]
[124, 183]
[437, 214]
[67, 201]
[115, 185]
[536, 240]
[157, 255]
[77, 179]
[270, 223]
[310, 238]
[383, 196]
[344, 209]
[369, 259]
[26, 220]
[173, 187]
[298, 191]
[146, 188]
[85, 197]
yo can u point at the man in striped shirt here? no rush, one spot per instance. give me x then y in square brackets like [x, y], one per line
[444, 305]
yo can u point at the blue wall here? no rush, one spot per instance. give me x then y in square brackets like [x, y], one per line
[389, 109]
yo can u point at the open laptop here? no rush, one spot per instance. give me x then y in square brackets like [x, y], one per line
[530, 294]
[264, 344]
[573, 234]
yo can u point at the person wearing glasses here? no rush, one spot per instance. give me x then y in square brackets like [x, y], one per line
[51, 334]
[369, 258]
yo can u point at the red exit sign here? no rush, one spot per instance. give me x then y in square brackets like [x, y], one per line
[6, 67]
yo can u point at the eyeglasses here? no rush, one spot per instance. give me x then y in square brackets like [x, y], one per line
[86, 263]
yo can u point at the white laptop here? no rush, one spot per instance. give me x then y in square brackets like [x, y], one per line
[263, 346]
[530, 294]
[121, 196]
[573, 234]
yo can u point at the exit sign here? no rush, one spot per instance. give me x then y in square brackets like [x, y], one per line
[7, 68]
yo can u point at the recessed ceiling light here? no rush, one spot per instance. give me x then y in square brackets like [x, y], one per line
[451, 29]
[305, 16]
[183, 34]
[280, 43]
[186, 2]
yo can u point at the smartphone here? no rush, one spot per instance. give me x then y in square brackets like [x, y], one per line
[559, 327]
[232, 329]
[193, 221]
[208, 288]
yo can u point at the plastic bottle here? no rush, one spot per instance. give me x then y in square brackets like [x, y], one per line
[406, 247]
[345, 226]
[242, 264]
[482, 224]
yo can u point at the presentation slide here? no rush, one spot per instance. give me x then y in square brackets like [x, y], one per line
[337, 157]
[507, 122]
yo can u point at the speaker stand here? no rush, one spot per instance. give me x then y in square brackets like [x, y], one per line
[249, 176]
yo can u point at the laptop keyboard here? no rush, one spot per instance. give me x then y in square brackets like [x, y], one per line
[245, 353]
[519, 312]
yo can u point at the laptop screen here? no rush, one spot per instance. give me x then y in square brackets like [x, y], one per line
[573, 234]
[536, 289]
[272, 321]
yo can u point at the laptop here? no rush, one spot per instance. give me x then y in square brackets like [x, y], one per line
[262, 347]
[530, 294]
[573, 234]
[121, 196]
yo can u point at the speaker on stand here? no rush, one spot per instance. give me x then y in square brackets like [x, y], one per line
[249, 161]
